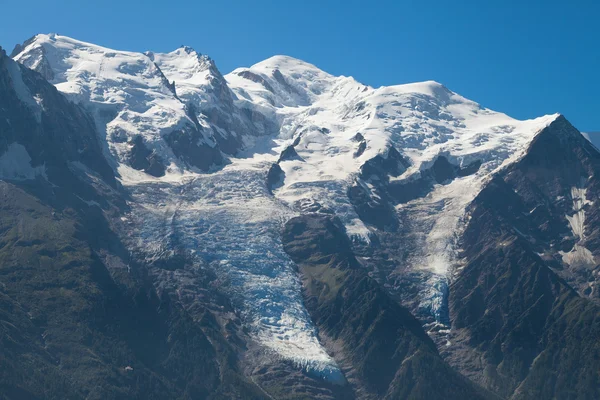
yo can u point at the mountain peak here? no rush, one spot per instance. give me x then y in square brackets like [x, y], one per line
[285, 63]
[282, 59]
[53, 37]
[187, 49]
[186, 66]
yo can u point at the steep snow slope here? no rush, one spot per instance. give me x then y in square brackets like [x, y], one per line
[324, 130]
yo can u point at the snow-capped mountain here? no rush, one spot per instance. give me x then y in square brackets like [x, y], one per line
[213, 168]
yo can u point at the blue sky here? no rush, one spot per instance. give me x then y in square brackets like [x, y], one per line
[525, 58]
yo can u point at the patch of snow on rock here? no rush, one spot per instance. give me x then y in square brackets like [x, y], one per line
[15, 164]
[579, 256]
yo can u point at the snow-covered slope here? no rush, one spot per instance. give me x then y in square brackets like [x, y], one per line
[321, 130]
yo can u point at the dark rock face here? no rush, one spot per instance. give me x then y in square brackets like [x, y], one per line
[372, 207]
[556, 181]
[256, 78]
[53, 135]
[520, 329]
[374, 196]
[362, 146]
[78, 325]
[441, 172]
[233, 122]
[81, 317]
[373, 202]
[289, 154]
[143, 159]
[187, 146]
[394, 164]
[381, 347]
[229, 121]
[275, 177]
[526, 291]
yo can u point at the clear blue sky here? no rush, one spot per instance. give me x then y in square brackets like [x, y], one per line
[525, 58]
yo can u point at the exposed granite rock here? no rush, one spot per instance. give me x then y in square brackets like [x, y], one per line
[441, 172]
[143, 159]
[362, 146]
[372, 202]
[53, 130]
[289, 154]
[393, 164]
[187, 146]
[43, 67]
[275, 177]
[256, 78]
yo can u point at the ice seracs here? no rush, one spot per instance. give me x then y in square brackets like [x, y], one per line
[229, 222]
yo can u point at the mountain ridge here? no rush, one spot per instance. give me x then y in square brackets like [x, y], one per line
[210, 169]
